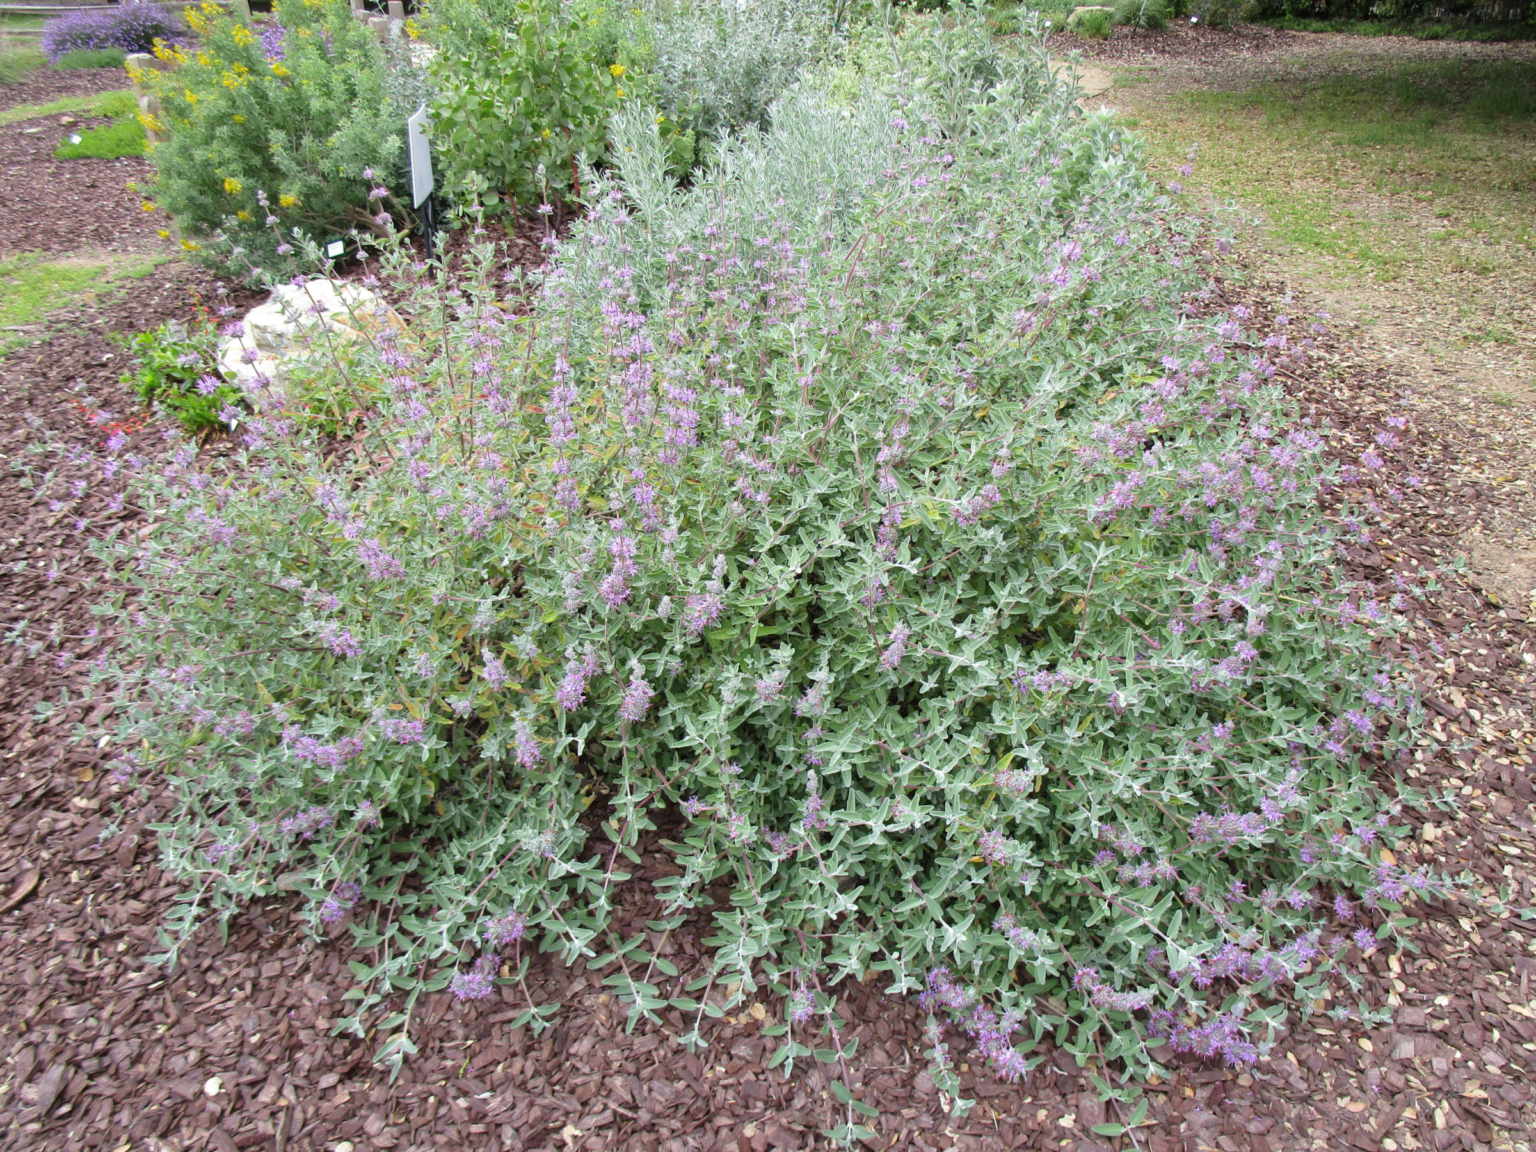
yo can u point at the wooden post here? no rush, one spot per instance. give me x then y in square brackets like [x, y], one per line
[137, 64]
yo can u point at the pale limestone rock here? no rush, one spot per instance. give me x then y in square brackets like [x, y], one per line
[294, 330]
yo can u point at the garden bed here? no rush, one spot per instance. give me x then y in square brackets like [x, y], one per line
[233, 1049]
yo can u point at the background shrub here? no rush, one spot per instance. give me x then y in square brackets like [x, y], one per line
[1095, 24]
[17, 63]
[883, 517]
[718, 65]
[127, 27]
[1221, 13]
[273, 132]
[1142, 13]
[521, 89]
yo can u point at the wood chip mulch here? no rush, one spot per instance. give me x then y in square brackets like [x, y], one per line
[62, 206]
[233, 1050]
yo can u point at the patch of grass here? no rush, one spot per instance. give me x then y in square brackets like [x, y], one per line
[1094, 25]
[122, 137]
[1419, 30]
[105, 104]
[1400, 186]
[1398, 104]
[18, 62]
[92, 58]
[33, 286]
[21, 22]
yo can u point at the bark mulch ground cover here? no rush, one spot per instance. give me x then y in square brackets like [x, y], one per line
[60, 206]
[233, 1049]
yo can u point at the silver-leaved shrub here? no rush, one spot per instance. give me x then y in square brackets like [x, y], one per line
[884, 526]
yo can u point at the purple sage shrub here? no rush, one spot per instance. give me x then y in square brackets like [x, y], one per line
[131, 27]
[894, 509]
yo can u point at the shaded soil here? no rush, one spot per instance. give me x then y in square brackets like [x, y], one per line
[233, 1050]
[1197, 47]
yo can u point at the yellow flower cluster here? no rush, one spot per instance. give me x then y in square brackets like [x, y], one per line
[168, 53]
[232, 186]
[287, 201]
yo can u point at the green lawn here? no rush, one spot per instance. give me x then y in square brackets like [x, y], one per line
[122, 137]
[33, 286]
[106, 104]
[1415, 178]
[18, 60]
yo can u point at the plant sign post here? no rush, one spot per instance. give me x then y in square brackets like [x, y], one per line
[420, 152]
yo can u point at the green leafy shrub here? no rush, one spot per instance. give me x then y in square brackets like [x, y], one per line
[92, 58]
[1095, 24]
[1221, 13]
[718, 64]
[1151, 14]
[270, 135]
[522, 89]
[884, 516]
[174, 369]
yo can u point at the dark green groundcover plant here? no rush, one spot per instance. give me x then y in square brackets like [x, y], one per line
[175, 368]
[882, 516]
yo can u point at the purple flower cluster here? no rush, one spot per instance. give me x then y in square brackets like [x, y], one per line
[636, 702]
[507, 929]
[403, 731]
[314, 751]
[572, 691]
[272, 34]
[341, 901]
[130, 27]
[1217, 1037]
[991, 1033]
[476, 982]
[308, 824]
[1103, 996]
[1020, 938]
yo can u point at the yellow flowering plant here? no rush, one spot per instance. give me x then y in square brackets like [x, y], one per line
[268, 128]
